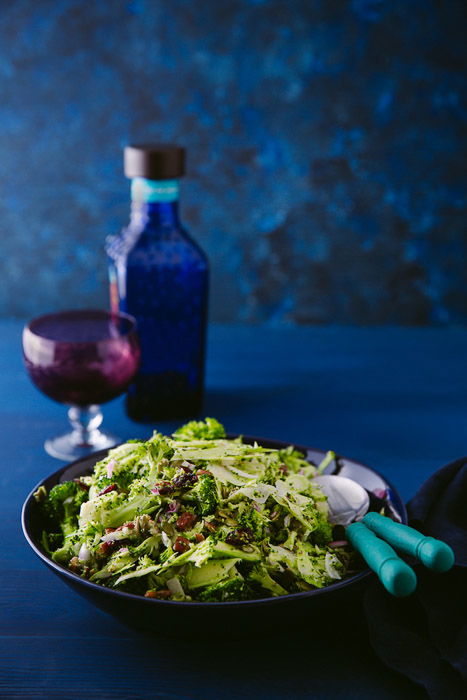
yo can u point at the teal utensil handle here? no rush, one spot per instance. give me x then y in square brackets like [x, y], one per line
[433, 553]
[396, 576]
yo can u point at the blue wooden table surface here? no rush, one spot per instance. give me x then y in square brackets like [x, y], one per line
[393, 398]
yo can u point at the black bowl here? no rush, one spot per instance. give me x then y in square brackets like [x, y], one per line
[243, 617]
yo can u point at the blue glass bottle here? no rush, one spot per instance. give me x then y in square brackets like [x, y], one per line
[160, 275]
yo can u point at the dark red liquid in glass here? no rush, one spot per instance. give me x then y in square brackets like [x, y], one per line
[81, 357]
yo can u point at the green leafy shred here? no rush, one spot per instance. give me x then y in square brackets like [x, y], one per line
[195, 516]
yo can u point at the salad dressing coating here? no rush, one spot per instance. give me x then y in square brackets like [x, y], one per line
[196, 517]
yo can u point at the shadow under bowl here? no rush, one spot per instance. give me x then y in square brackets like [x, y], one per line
[196, 619]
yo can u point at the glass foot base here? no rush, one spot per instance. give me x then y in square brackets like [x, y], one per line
[71, 446]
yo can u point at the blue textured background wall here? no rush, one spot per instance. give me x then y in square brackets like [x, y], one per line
[324, 142]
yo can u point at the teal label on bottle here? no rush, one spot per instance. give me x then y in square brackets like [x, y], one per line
[143, 190]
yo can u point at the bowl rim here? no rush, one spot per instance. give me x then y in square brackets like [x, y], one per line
[123, 595]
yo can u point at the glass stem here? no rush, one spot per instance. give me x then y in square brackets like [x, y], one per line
[85, 421]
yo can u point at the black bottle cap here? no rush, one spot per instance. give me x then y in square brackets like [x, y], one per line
[154, 161]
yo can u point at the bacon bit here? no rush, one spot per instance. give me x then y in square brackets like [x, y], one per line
[199, 537]
[129, 525]
[185, 521]
[283, 469]
[165, 593]
[108, 489]
[108, 530]
[74, 564]
[81, 484]
[181, 545]
[203, 471]
[106, 547]
[210, 526]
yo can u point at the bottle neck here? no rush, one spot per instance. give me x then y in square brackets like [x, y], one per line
[154, 201]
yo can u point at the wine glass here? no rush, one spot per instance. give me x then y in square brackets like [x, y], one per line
[81, 358]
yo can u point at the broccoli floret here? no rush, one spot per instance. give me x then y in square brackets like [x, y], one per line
[252, 520]
[231, 589]
[123, 465]
[209, 429]
[323, 533]
[113, 509]
[87, 536]
[293, 459]
[206, 495]
[150, 546]
[63, 504]
[260, 575]
[128, 510]
[119, 562]
[159, 448]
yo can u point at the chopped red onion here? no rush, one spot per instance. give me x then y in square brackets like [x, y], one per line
[110, 468]
[338, 543]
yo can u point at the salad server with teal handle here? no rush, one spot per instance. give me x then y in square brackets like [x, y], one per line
[372, 535]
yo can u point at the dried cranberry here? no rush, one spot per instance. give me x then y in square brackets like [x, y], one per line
[185, 480]
[163, 487]
[185, 521]
[106, 547]
[181, 545]
[239, 537]
[108, 489]
[81, 484]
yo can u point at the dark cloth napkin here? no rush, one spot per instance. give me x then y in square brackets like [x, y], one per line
[424, 636]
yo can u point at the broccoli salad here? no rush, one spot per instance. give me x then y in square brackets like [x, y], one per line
[196, 517]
